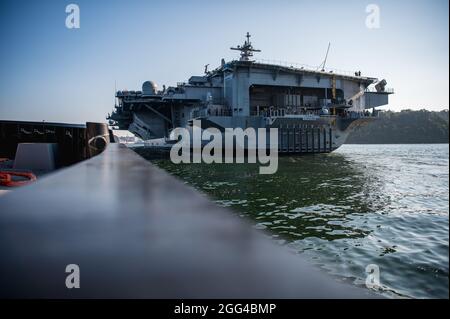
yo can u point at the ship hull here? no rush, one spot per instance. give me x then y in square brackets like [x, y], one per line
[302, 135]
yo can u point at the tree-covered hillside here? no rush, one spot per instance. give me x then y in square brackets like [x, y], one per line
[403, 127]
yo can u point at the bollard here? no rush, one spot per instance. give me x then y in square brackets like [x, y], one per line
[97, 137]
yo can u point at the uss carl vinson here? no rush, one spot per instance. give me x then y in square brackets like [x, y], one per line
[314, 109]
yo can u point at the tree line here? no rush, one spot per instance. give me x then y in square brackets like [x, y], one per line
[406, 126]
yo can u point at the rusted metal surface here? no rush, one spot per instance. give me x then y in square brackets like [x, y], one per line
[137, 232]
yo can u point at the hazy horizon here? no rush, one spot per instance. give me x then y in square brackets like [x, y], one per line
[53, 73]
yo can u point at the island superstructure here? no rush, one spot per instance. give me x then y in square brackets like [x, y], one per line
[313, 109]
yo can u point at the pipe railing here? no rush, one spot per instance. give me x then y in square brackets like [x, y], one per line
[306, 67]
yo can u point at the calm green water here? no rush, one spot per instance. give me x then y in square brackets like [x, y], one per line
[377, 204]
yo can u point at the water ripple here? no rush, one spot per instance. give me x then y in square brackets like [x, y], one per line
[377, 204]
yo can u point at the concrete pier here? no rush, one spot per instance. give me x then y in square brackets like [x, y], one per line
[137, 232]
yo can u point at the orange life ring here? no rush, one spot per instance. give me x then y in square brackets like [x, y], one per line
[6, 178]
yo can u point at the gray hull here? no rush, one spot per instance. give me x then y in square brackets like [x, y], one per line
[322, 134]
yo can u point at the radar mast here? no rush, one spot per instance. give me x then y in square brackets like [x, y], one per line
[246, 49]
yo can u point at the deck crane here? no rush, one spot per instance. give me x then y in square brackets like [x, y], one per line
[322, 65]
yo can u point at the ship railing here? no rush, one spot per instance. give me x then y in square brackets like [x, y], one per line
[211, 112]
[196, 113]
[219, 112]
[281, 112]
[361, 114]
[295, 65]
[374, 90]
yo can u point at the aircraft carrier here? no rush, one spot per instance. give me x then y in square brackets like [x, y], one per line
[314, 109]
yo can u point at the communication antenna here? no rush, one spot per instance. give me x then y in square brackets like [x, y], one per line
[115, 87]
[246, 49]
[115, 92]
[322, 65]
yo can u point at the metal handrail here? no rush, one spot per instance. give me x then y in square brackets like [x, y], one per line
[304, 66]
[373, 90]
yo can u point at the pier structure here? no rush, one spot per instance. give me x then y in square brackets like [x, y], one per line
[134, 231]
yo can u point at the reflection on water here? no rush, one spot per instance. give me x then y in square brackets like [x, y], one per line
[361, 205]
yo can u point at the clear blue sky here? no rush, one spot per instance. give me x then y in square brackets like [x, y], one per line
[52, 73]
